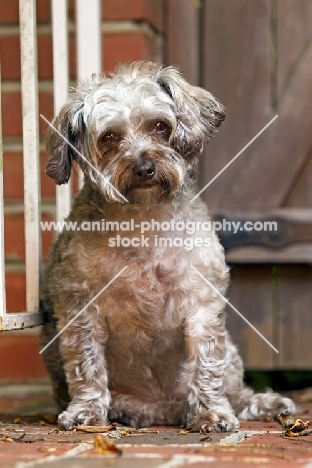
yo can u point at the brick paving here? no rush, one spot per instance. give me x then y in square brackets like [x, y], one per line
[29, 437]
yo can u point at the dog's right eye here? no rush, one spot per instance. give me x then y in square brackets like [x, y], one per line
[110, 138]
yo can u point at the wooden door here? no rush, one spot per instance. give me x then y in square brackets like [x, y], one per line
[256, 56]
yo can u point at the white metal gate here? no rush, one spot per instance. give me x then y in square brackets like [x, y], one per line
[89, 61]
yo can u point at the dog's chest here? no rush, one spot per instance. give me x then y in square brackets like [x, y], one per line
[147, 299]
[150, 291]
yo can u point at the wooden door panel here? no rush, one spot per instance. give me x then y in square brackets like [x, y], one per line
[236, 67]
[256, 56]
[278, 156]
[294, 320]
[300, 193]
[294, 31]
[243, 77]
[277, 301]
[251, 292]
[182, 22]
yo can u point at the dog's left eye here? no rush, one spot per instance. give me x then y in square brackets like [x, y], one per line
[161, 127]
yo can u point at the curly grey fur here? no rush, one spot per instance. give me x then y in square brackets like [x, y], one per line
[153, 348]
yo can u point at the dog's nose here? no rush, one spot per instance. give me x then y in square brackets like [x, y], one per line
[143, 170]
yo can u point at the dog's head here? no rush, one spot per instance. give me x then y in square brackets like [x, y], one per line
[139, 130]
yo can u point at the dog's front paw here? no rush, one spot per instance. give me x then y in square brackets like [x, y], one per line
[210, 421]
[81, 414]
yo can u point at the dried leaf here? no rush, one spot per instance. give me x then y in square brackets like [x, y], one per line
[6, 439]
[183, 432]
[298, 429]
[102, 446]
[285, 420]
[46, 449]
[146, 431]
[206, 430]
[54, 431]
[292, 427]
[126, 432]
[17, 420]
[93, 429]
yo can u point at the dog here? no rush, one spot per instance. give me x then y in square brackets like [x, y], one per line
[152, 347]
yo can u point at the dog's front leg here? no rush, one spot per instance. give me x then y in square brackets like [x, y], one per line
[82, 349]
[209, 409]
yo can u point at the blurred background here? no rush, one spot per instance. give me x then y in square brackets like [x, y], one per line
[255, 56]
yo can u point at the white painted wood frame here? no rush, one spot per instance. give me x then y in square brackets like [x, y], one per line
[2, 267]
[60, 88]
[89, 42]
[31, 150]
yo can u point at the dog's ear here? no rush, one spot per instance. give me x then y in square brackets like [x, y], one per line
[199, 113]
[67, 130]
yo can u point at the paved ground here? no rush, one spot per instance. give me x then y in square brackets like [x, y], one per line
[29, 437]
